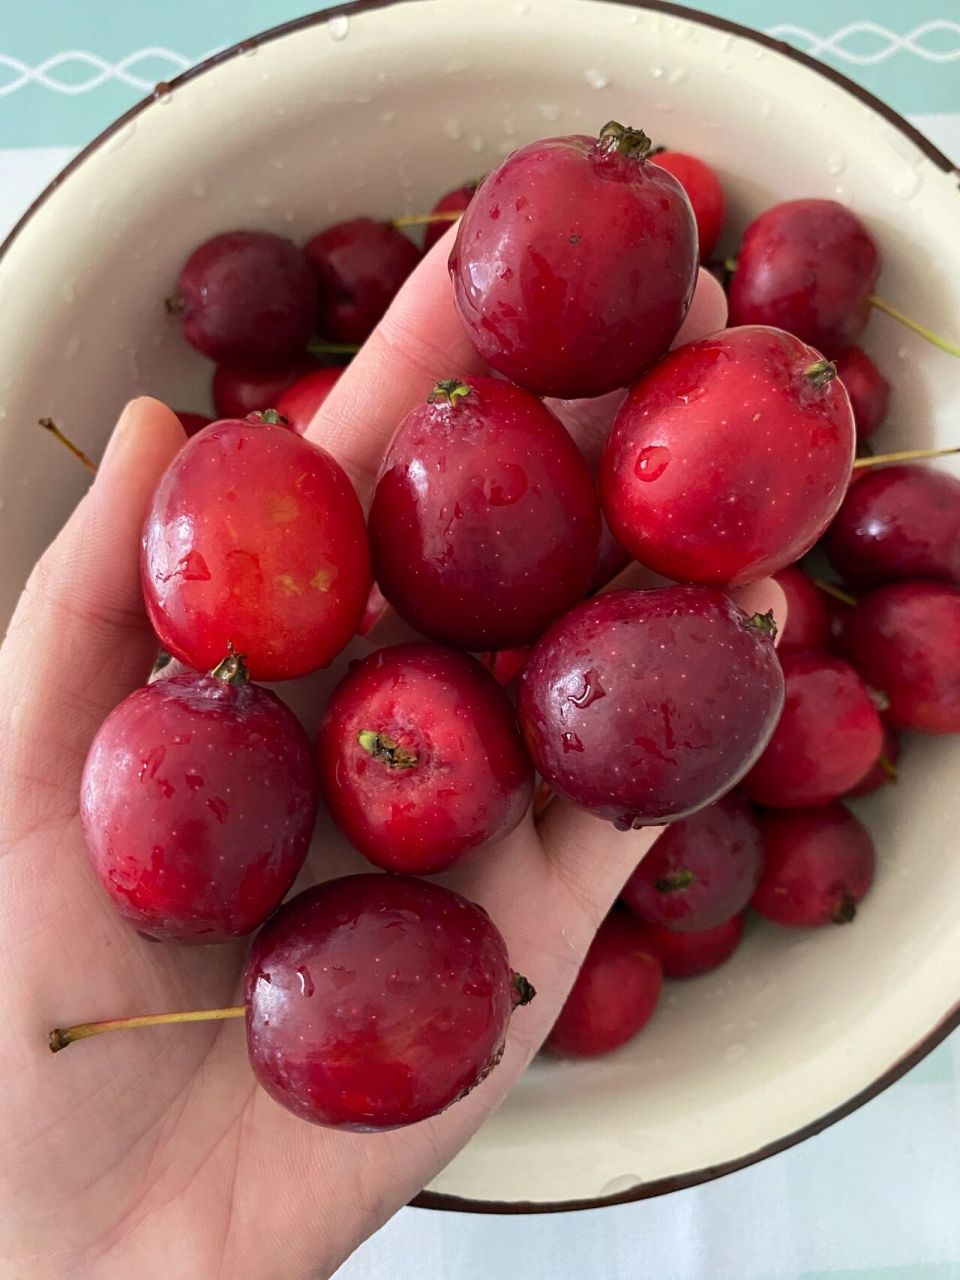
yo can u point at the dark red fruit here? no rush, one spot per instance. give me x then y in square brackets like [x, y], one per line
[904, 639]
[359, 266]
[898, 522]
[687, 955]
[453, 202]
[808, 614]
[883, 772]
[829, 735]
[819, 863]
[198, 801]
[705, 194]
[485, 521]
[729, 459]
[301, 401]
[192, 422]
[807, 266]
[642, 706]
[238, 392]
[615, 993]
[701, 871]
[420, 760]
[575, 263]
[376, 1001]
[506, 665]
[247, 299]
[868, 389]
[255, 538]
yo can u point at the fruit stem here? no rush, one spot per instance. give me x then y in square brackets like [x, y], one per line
[318, 347]
[829, 589]
[270, 417]
[904, 455]
[60, 1037]
[424, 219]
[844, 911]
[174, 305]
[896, 314]
[820, 373]
[889, 768]
[670, 884]
[48, 424]
[387, 750]
[449, 389]
[632, 143]
[764, 623]
[523, 991]
[730, 265]
[233, 669]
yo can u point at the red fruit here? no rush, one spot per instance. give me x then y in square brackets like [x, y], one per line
[247, 299]
[868, 389]
[301, 401]
[575, 263]
[829, 735]
[898, 522]
[198, 801]
[239, 392]
[192, 422]
[905, 639]
[255, 538]
[808, 614]
[485, 521]
[705, 194]
[701, 871]
[420, 760]
[376, 1001]
[359, 266]
[687, 955]
[883, 771]
[453, 202]
[819, 864]
[729, 459]
[642, 706]
[615, 993]
[807, 266]
[505, 665]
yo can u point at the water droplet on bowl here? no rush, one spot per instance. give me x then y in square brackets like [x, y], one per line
[595, 78]
[263, 201]
[633, 19]
[906, 184]
[277, 162]
[657, 73]
[766, 109]
[199, 189]
[477, 143]
[678, 75]
[388, 116]
[836, 163]
[550, 110]
[453, 129]
[73, 347]
[339, 27]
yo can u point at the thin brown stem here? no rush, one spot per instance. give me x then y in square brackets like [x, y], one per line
[425, 219]
[60, 1037]
[48, 424]
[904, 455]
[831, 589]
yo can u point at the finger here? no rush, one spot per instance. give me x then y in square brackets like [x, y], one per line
[79, 640]
[708, 311]
[419, 341]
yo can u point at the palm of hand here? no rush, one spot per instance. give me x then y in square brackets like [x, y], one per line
[154, 1153]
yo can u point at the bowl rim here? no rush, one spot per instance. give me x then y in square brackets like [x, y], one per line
[660, 1186]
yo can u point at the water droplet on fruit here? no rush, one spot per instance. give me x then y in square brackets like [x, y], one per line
[595, 78]
[550, 110]
[571, 743]
[651, 462]
[591, 692]
[507, 487]
[339, 27]
[306, 982]
[453, 129]
[836, 163]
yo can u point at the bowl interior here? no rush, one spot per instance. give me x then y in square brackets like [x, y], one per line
[377, 114]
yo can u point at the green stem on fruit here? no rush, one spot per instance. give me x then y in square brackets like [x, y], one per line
[730, 264]
[904, 455]
[233, 669]
[449, 389]
[48, 424]
[60, 1037]
[844, 911]
[387, 750]
[523, 991]
[425, 219]
[764, 623]
[820, 373]
[889, 768]
[896, 314]
[632, 143]
[831, 589]
[270, 417]
[318, 347]
[672, 883]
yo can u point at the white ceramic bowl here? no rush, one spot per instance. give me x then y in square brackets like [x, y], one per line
[377, 109]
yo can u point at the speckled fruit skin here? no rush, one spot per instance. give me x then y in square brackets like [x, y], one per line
[868, 389]
[198, 801]
[615, 993]
[829, 735]
[687, 955]
[255, 538]
[642, 706]
[452, 202]
[701, 871]
[729, 459]
[485, 521]
[704, 193]
[807, 266]
[819, 863]
[904, 639]
[247, 298]
[301, 401]
[808, 614]
[462, 778]
[898, 522]
[376, 1001]
[359, 266]
[574, 266]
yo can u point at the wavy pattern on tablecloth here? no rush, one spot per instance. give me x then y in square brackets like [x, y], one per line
[916, 42]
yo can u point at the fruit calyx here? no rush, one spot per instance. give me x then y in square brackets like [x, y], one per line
[448, 391]
[232, 669]
[764, 623]
[268, 417]
[820, 373]
[632, 143]
[675, 882]
[523, 991]
[387, 750]
[845, 909]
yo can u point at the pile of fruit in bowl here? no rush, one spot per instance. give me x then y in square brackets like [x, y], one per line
[575, 627]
